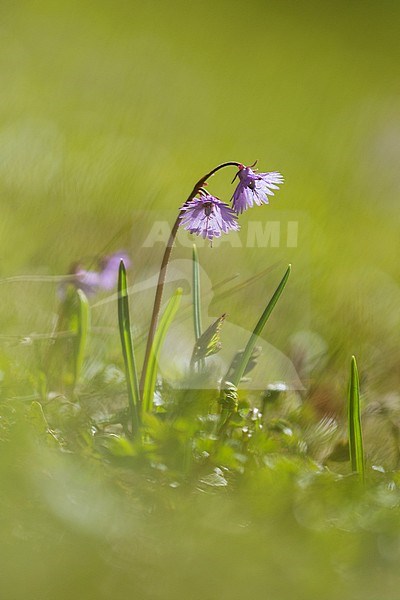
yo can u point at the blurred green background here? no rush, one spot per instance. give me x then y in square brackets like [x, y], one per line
[109, 112]
[109, 109]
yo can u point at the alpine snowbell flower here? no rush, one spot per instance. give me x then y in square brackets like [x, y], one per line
[92, 282]
[254, 187]
[105, 278]
[207, 216]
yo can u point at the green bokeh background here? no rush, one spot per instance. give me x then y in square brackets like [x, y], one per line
[109, 109]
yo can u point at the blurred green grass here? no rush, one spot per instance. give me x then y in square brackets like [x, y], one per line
[76, 526]
[108, 114]
[107, 110]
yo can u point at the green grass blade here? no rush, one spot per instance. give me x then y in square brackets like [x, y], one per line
[354, 418]
[196, 295]
[241, 367]
[162, 329]
[82, 330]
[127, 348]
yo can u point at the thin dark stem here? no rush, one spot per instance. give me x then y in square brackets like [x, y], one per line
[164, 266]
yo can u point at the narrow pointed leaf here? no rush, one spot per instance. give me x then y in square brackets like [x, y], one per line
[83, 325]
[127, 349]
[354, 422]
[252, 363]
[196, 294]
[239, 370]
[162, 329]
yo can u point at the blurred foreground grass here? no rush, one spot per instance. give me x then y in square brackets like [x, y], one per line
[76, 526]
[108, 114]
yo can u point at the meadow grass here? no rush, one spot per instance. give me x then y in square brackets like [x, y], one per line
[108, 114]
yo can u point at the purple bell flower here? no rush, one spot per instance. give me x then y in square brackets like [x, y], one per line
[254, 187]
[92, 282]
[207, 216]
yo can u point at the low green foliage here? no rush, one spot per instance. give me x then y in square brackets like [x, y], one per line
[127, 349]
[162, 329]
[82, 329]
[354, 419]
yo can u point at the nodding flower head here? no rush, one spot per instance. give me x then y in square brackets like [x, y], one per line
[254, 188]
[207, 216]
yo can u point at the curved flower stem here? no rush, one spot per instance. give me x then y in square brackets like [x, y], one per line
[164, 266]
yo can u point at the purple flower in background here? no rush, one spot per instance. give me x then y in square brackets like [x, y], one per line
[91, 282]
[109, 267]
[254, 187]
[207, 216]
